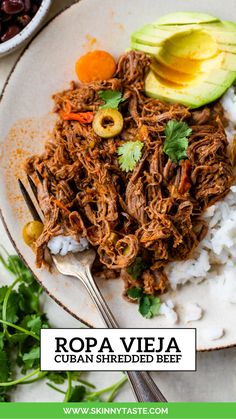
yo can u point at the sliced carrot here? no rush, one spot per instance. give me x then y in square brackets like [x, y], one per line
[95, 65]
[83, 117]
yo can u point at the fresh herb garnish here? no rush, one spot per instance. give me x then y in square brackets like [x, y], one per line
[149, 305]
[135, 293]
[112, 98]
[21, 319]
[176, 142]
[137, 267]
[129, 154]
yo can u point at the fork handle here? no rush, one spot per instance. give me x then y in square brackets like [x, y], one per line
[99, 301]
[143, 386]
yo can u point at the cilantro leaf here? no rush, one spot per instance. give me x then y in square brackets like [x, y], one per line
[57, 377]
[4, 362]
[129, 154]
[176, 142]
[149, 306]
[13, 307]
[29, 301]
[34, 324]
[17, 338]
[112, 98]
[75, 375]
[137, 267]
[15, 265]
[135, 293]
[77, 394]
[30, 357]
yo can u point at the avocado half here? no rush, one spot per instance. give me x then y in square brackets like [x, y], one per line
[193, 57]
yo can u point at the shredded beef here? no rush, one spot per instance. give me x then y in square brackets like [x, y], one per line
[153, 211]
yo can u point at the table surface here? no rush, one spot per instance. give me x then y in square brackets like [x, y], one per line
[215, 379]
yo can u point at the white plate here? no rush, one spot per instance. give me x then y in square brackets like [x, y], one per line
[46, 66]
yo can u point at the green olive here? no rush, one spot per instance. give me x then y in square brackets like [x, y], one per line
[108, 123]
[31, 232]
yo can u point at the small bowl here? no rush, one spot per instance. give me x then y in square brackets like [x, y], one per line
[20, 39]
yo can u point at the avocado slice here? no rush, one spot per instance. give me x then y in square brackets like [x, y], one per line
[224, 59]
[148, 49]
[173, 76]
[183, 65]
[229, 61]
[156, 35]
[193, 43]
[229, 24]
[196, 44]
[193, 57]
[146, 39]
[216, 76]
[183, 18]
[227, 48]
[193, 96]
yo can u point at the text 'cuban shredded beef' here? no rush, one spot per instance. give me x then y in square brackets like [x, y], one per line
[153, 212]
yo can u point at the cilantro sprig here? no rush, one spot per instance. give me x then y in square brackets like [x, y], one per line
[129, 154]
[112, 98]
[137, 267]
[176, 141]
[149, 305]
[21, 319]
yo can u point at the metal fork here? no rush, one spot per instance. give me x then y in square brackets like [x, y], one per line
[79, 265]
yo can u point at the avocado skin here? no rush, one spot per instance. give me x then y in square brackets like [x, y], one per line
[184, 18]
[188, 96]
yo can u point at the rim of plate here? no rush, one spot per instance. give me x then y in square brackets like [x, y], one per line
[216, 348]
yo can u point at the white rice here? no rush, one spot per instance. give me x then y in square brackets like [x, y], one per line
[193, 312]
[218, 249]
[214, 258]
[228, 102]
[214, 332]
[65, 244]
[167, 309]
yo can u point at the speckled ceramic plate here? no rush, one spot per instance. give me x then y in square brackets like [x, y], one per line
[47, 66]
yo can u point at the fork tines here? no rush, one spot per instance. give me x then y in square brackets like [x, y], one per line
[33, 186]
[40, 177]
[28, 200]
[49, 173]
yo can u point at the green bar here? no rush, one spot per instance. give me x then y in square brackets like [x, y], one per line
[118, 410]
